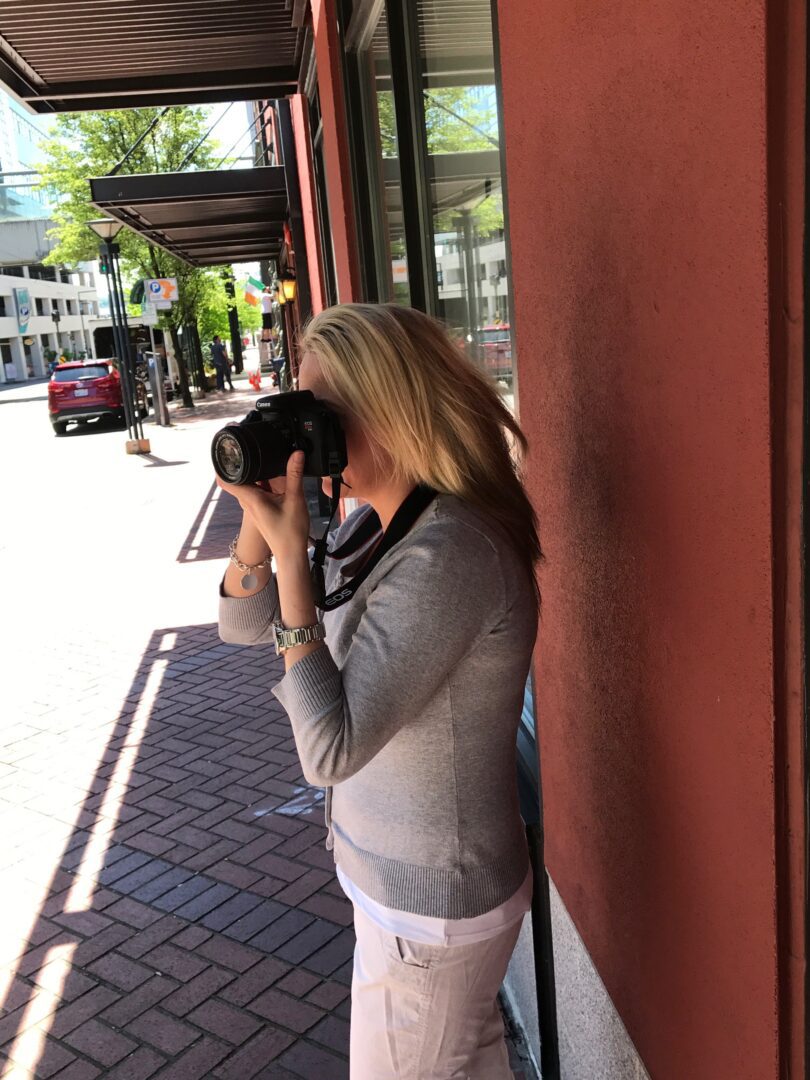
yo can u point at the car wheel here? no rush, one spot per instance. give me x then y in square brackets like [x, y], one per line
[59, 427]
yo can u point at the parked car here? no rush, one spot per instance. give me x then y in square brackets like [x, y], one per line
[496, 344]
[87, 390]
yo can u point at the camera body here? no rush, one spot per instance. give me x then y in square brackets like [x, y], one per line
[258, 447]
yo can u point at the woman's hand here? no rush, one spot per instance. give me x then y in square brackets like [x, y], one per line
[278, 510]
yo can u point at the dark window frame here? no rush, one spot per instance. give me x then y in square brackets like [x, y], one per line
[322, 198]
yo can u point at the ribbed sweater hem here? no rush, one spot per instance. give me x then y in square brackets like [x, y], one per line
[427, 890]
[247, 617]
[308, 687]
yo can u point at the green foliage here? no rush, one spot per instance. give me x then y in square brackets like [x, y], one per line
[213, 317]
[458, 120]
[388, 123]
[84, 145]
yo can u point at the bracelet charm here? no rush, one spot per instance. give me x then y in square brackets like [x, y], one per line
[249, 579]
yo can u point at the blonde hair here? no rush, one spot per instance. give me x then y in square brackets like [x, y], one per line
[438, 418]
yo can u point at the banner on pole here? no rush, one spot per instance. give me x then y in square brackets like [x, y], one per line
[22, 301]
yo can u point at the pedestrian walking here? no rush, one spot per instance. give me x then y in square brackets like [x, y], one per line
[405, 699]
[222, 363]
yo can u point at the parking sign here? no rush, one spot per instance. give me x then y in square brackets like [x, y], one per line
[161, 291]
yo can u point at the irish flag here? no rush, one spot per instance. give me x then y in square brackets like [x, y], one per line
[253, 291]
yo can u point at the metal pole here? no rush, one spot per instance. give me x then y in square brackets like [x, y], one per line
[79, 292]
[464, 229]
[129, 347]
[121, 343]
[233, 323]
[120, 348]
[81, 320]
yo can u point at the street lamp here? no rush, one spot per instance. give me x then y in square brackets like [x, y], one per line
[288, 286]
[106, 229]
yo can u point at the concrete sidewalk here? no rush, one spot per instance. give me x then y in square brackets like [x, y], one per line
[169, 907]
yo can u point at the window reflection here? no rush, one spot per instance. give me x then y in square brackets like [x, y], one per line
[461, 120]
[386, 131]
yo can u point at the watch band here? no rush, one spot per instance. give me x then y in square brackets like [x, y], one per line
[300, 635]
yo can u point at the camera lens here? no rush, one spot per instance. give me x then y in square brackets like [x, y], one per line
[234, 455]
[230, 460]
[244, 453]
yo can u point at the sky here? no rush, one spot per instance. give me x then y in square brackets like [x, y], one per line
[233, 131]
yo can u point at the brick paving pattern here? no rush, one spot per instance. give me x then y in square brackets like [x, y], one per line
[214, 939]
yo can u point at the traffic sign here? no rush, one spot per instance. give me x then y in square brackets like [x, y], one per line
[160, 291]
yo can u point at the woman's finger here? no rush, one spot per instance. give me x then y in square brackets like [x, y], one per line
[295, 474]
[248, 496]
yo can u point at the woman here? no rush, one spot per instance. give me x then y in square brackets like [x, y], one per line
[407, 713]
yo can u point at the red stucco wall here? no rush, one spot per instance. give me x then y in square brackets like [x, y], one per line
[336, 149]
[306, 183]
[636, 163]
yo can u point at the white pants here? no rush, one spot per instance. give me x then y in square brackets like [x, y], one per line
[427, 1012]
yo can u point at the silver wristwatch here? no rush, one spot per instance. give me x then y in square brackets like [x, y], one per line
[301, 635]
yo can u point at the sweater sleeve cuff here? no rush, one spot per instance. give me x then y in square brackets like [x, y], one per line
[311, 686]
[248, 619]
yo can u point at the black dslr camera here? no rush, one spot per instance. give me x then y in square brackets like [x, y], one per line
[258, 447]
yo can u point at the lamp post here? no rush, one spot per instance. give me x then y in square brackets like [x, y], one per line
[106, 229]
[81, 320]
[495, 280]
[56, 316]
[233, 320]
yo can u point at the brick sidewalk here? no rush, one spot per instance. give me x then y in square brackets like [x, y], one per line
[193, 926]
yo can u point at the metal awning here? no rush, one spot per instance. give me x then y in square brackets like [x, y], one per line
[71, 56]
[206, 218]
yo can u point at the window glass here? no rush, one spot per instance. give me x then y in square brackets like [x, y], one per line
[316, 130]
[74, 374]
[386, 154]
[461, 121]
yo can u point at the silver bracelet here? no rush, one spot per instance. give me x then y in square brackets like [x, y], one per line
[300, 635]
[249, 578]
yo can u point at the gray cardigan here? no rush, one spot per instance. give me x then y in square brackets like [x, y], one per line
[410, 712]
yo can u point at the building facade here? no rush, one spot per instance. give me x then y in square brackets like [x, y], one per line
[28, 342]
[622, 192]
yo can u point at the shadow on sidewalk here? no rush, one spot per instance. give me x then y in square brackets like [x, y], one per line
[192, 926]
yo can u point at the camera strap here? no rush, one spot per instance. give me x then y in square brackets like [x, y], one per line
[401, 523]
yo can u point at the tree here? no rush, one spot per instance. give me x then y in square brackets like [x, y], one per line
[214, 317]
[458, 120]
[83, 145]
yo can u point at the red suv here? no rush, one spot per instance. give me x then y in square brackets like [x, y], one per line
[496, 341]
[86, 390]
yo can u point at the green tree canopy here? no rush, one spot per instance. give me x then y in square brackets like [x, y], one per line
[214, 316]
[458, 120]
[84, 145]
